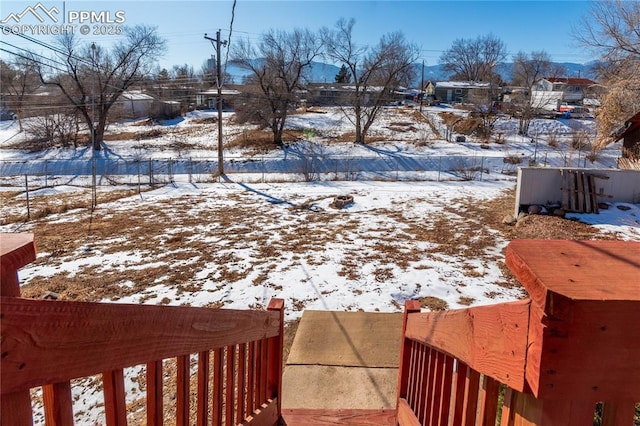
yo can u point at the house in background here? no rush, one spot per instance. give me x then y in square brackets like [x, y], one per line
[550, 92]
[463, 91]
[209, 98]
[136, 104]
[334, 94]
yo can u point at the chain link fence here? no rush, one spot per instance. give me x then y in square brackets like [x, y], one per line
[158, 171]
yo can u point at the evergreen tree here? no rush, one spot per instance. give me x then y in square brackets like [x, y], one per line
[343, 75]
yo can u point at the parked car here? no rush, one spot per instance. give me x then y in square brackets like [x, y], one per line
[7, 115]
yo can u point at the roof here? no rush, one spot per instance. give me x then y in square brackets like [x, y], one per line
[463, 84]
[225, 92]
[573, 81]
[631, 125]
[136, 96]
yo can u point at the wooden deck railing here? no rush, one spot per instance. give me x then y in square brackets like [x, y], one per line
[552, 359]
[237, 355]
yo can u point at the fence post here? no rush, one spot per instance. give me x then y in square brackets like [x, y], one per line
[150, 172]
[138, 163]
[94, 197]
[26, 185]
[481, 168]
[46, 172]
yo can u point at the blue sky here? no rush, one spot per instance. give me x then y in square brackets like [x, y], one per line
[433, 25]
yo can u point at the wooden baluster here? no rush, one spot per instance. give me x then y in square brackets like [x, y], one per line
[459, 380]
[263, 373]
[410, 392]
[218, 387]
[241, 400]
[251, 378]
[423, 382]
[58, 406]
[182, 392]
[115, 407]
[431, 384]
[155, 407]
[230, 385]
[436, 406]
[619, 413]
[472, 385]
[489, 401]
[447, 382]
[203, 389]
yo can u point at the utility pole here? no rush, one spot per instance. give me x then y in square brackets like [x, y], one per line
[94, 197]
[422, 87]
[218, 44]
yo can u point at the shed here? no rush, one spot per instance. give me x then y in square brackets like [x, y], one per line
[630, 135]
[136, 104]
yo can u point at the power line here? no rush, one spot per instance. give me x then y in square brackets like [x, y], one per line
[48, 46]
[226, 58]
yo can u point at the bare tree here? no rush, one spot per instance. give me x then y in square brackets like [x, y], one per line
[611, 31]
[278, 65]
[95, 77]
[18, 79]
[528, 69]
[376, 72]
[475, 59]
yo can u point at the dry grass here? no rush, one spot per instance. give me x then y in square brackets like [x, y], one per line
[167, 233]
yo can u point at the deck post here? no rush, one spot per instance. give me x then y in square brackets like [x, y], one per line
[410, 306]
[16, 251]
[275, 347]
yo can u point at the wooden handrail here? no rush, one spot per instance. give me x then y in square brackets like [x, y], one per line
[574, 343]
[81, 338]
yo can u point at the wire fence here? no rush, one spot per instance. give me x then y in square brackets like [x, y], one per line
[263, 169]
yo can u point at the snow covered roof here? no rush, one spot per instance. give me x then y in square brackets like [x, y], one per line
[225, 92]
[136, 96]
[462, 84]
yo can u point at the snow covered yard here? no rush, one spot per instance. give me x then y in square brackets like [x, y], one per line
[238, 245]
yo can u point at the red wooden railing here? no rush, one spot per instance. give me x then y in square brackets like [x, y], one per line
[49, 343]
[547, 360]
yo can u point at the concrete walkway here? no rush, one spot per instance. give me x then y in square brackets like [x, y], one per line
[343, 360]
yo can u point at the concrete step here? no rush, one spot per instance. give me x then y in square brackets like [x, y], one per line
[342, 361]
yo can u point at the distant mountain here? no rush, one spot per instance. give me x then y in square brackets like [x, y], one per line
[505, 69]
[326, 73]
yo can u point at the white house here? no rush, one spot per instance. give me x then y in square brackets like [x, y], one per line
[136, 104]
[550, 92]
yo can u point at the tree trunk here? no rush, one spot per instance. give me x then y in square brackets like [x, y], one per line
[98, 133]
